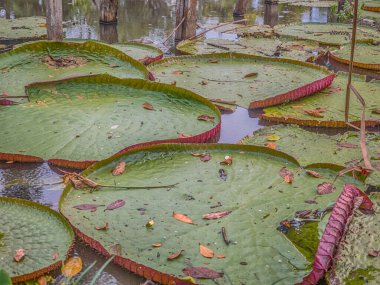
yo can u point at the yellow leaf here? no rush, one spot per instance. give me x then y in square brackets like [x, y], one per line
[273, 138]
[205, 251]
[72, 266]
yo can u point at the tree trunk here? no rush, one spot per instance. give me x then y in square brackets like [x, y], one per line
[54, 20]
[108, 33]
[186, 19]
[271, 13]
[108, 11]
[240, 9]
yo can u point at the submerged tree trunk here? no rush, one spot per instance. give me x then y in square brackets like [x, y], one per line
[108, 11]
[108, 33]
[271, 13]
[186, 19]
[54, 20]
[240, 9]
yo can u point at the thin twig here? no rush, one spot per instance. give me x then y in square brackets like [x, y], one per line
[175, 29]
[225, 237]
[218, 26]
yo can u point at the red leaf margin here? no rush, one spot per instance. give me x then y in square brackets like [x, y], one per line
[335, 230]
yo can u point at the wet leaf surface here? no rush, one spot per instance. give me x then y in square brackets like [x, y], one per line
[202, 273]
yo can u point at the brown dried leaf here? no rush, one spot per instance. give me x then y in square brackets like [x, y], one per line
[113, 65]
[177, 72]
[206, 118]
[347, 145]
[216, 215]
[271, 145]
[205, 251]
[252, 74]
[72, 267]
[114, 205]
[182, 218]
[374, 253]
[213, 61]
[175, 255]
[202, 156]
[102, 228]
[313, 173]
[325, 188]
[287, 175]
[20, 254]
[227, 160]
[148, 106]
[314, 113]
[119, 169]
[202, 273]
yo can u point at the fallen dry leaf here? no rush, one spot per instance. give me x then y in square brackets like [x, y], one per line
[374, 253]
[252, 74]
[20, 254]
[114, 205]
[148, 106]
[113, 65]
[314, 112]
[271, 145]
[216, 215]
[287, 175]
[156, 244]
[177, 72]
[203, 82]
[227, 160]
[205, 251]
[311, 202]
[202, 272]
[347, 145]
[182, 218]
[85, 207]
[183, 136]
[115, 249]
[42, 280]
[175, 255]
[202, 156]
[213, 61]
[296, 107]
[325, 188]
[119, 169]
[102, 228]
[220, 256]
[55, 255]
[313, 173]
[206, 118]
[273, 138]
[72, 267]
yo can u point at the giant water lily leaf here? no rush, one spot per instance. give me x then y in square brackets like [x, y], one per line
[330, 103]
[310, 3]
[93, 117]
[256, 195]
[367, 55]
[22, 28]
[142, 52]
[272, 47]
[226, 77]
[355, 264]
[371, 5]
[342, 149]
[38, 231]
[41, 61]
[329, 34]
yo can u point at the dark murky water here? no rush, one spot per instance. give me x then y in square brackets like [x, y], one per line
[149, 20]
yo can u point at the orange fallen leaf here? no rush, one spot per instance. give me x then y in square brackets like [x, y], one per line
[227, 160]
[220, 256]
[205, 251]
[42, 103]
[42, 25]
[313, 173]
[156, 244]
[42, 280]
[175, 255]
[20, 254]
[177, 72]
[72, 266]
[119, 169]
[148, 106]
[271, 145]
[182, 218]
[102, 228]
[287, 175]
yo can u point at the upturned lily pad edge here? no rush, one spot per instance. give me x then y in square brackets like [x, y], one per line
[371, 66]
[140, 269]
[206, 136]
[55, 265]
[291, 95]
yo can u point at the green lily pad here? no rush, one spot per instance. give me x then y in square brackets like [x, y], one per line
[22, 28]
[251, 188]
[250, 81]
[367, 55]
[355, 265]
[310, 3]
[329, 34]
[371, 5]
[41, 232]
[272, 47]
[31, 63]
[331, 105]
[139, 51]
[93, 117]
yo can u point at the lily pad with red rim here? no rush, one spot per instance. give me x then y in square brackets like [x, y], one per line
[27, 28]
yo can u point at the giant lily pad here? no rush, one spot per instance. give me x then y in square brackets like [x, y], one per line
[326, 108]
[142, 52]
[42, 233]
[367, 55]
[329, 34]
[371, 5]
[250, 196]
[90, 118]
[250, 81]
[311, 148]
[310, 3]
[22, 28]
[54, 60]
[272, 47]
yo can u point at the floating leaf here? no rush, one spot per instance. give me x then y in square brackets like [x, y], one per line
[313, 173]
[287, 175]
[116, 204]
[119, 169]
[148, 106]
[205, 251]
[271, 145]
[175, 255]
[273, 138]
[20, 254]
[102, 228]
[182, 218]
[227, 160]
[206, 118]
[325, 188]
[87, 207]
[72, 267]
[216, 215]
[202, 273]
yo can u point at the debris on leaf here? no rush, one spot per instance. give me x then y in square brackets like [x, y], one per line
[102, 228]
[216, 215]
[220, 256]
[313, 173]
[87, 207]
[175, 255]
[202, 156]
[325, 188]
[148, 106]
[224, 236]
[182, 218]
[5, 102]
[227, 160]
[315, 112]
[273, 138]
[347, 145]
[119, 169]
[72, 267]
[287, 175]
[55, 255]
[113, 65]
[205, 251]
[223, 174]
[271, 145]
[213, 61]
[374, 111]
[183, 136]
[149, 224]
[156, 244]
[252, 74]
[189, 279]
[203, 82]
[202, 273]
[115, 249]
[311, 202]
[206, 118]
[64, 61]
[20, 254]
[177, 72]
[114, 205]
[374, 253]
